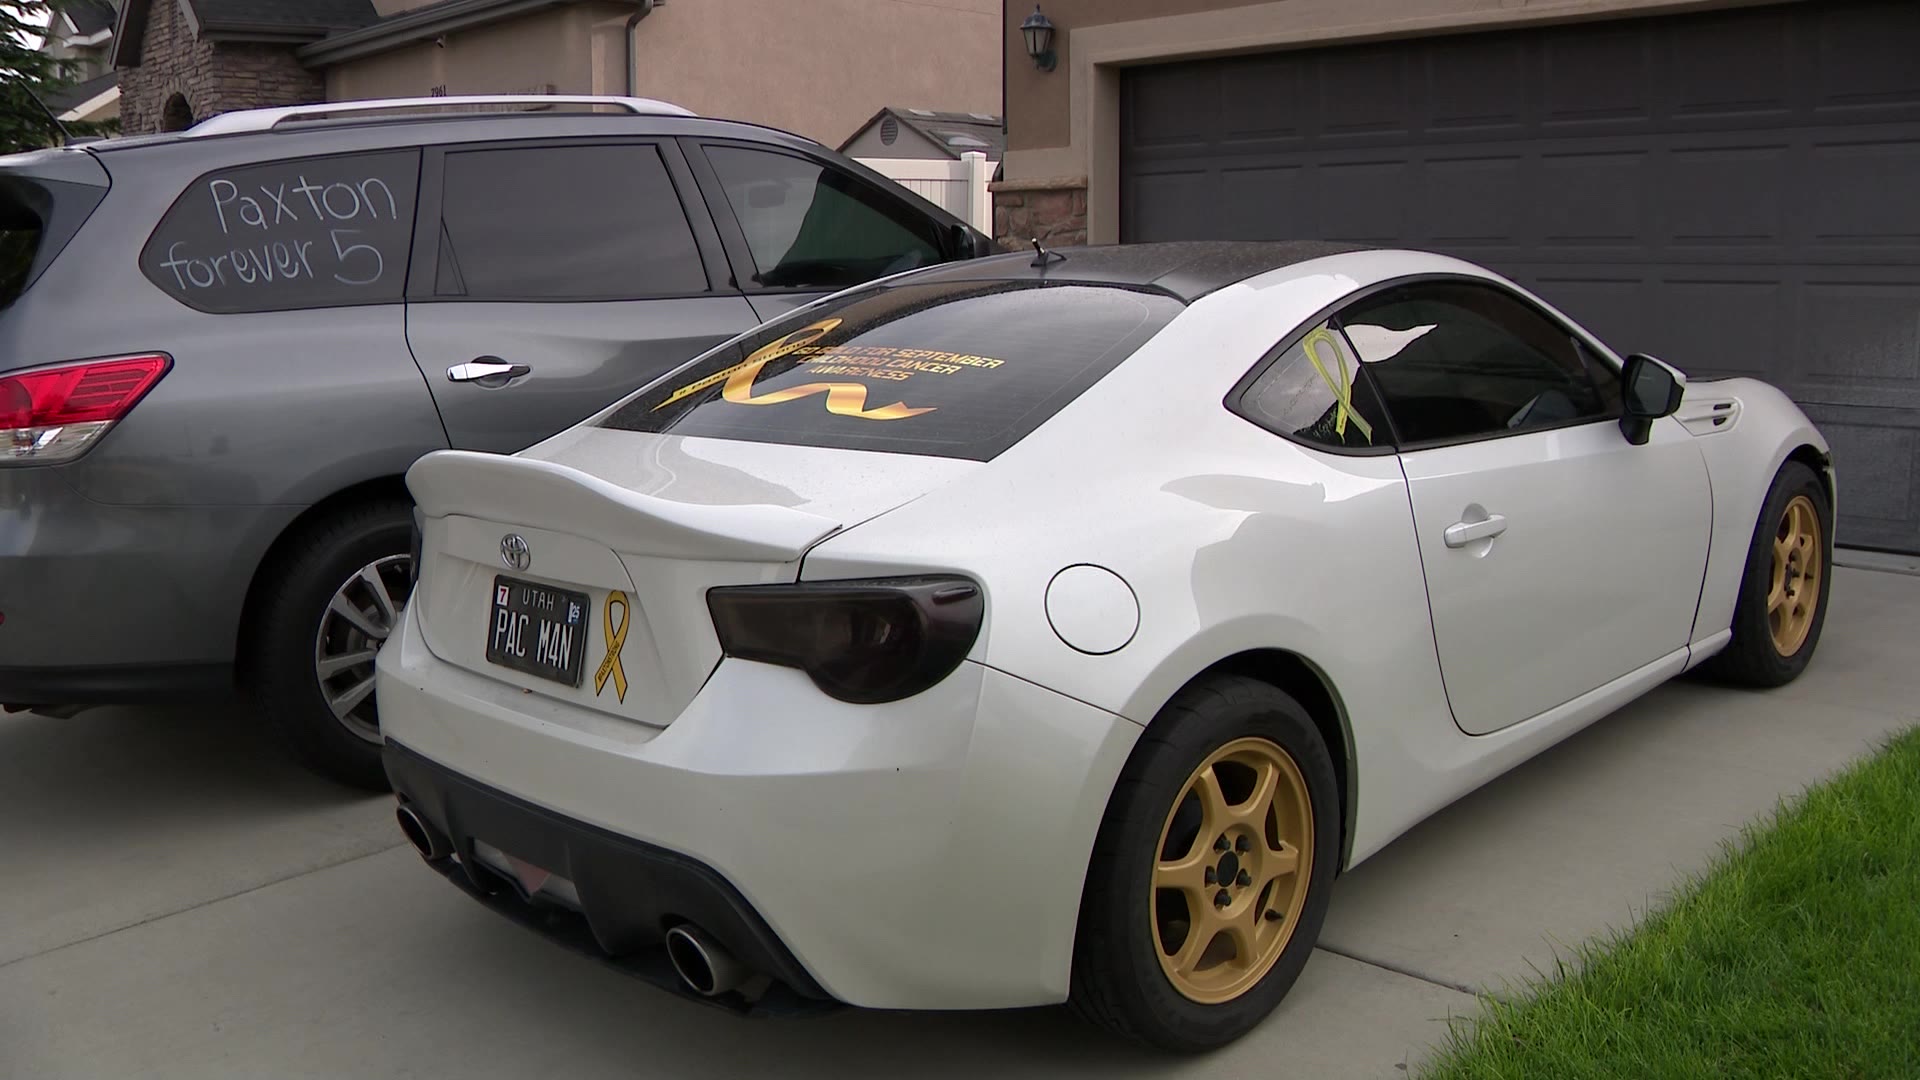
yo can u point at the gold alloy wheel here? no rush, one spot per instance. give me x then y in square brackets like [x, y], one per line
[1793, 594]
[1231, 872]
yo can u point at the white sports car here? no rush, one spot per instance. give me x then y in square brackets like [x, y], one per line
[1056, 627]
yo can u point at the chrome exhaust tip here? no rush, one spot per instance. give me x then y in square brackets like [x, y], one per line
[702, 963]
[426, 839]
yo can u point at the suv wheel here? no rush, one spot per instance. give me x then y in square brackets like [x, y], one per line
[331, 598]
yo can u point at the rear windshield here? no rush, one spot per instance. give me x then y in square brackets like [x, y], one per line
[950, 369]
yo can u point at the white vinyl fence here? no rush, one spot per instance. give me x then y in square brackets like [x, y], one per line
[959, 187]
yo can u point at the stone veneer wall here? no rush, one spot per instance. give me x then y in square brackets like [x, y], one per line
[215, 77]
[1052, 211]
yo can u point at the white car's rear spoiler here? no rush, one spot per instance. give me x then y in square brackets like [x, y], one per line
[525, 491]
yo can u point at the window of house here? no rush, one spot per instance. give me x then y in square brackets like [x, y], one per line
[812, 227]
[1462, 360]
[564, 223]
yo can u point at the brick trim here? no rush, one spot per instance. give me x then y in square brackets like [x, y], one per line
[1052, 212]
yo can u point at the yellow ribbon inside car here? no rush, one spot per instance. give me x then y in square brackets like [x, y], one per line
[1342, 386]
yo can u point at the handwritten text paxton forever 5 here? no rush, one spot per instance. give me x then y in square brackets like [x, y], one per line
[288, 205]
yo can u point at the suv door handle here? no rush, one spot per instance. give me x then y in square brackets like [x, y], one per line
[1462, 533]
[488, 371]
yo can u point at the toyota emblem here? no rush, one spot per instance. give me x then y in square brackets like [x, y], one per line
[514, 552]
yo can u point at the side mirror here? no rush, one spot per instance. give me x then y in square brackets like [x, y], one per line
[965, 243]
[1650, 390]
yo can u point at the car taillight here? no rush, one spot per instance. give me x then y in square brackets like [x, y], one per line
[859, 641]
[54, 414]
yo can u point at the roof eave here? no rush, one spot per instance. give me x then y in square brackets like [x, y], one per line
[912, 123]
[85, 111]
[259, 34]
[423, 24]
[861, 130]
[129, 33]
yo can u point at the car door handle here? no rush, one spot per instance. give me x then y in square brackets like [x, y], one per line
[487, 369]
[1462, 533]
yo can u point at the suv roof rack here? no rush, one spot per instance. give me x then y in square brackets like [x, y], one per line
[267, 119]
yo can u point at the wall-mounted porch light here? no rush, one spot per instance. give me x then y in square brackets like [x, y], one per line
[1038, 30]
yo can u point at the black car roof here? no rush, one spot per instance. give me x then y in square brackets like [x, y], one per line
[1187, 269]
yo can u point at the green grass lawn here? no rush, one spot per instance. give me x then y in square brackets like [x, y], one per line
[1797, 954]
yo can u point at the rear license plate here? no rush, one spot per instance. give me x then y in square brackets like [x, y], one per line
[537, 629]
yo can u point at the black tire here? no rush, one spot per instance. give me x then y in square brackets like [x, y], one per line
[1752, 658]
[296, 587]
[1118, 981]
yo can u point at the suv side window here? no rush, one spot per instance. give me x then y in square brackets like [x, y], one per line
[811, 227]
[1461, 360]
[563, 223]
[304, 233]
[1314, 392]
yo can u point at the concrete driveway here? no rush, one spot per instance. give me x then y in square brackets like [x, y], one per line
[175, 901]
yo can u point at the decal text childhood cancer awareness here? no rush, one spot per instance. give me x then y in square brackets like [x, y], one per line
[881, 362]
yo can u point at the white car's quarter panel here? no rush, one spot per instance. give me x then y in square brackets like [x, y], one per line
[1596, 572]
[1092, 609]
[1233, 538]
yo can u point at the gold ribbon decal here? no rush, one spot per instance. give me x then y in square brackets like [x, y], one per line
[616, 640]
[1342, 387]
[843, 399]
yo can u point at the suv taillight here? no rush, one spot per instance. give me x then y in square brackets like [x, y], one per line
[860, 641]
[54, 414]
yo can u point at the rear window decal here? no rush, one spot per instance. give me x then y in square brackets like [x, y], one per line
[886, 363]
[954, 369]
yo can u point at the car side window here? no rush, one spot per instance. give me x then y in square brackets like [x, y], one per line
[1462, 360]
[563, 223]
[1314, 391]
[299, 233]
[808, 226]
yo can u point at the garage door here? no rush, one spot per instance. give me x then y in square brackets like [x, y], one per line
[1736, 192]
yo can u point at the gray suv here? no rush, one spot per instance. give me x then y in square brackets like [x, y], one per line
[221, 349]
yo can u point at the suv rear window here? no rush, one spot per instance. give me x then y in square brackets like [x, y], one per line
[305, 233]
[951, 369]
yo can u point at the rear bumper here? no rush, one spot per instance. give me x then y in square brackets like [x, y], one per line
[922, 854]
[106, 603]
[629, 892]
